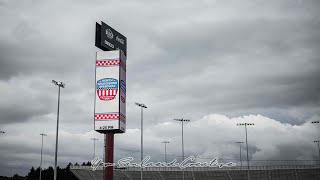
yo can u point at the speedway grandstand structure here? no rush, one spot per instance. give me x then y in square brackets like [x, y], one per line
[271, 169]
[259, 170]
[281, 172]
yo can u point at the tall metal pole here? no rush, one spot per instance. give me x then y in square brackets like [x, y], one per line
[182, 151]
[182, 141]
[41, 153]
[141, 158]
[247, 149]
[182, 120]
[317, 122]
[240, 155]
[165, 150]
[319, 150]
[94, 147]
[56, 152]
[240, 152]
[245, 125]
[59, 84]
[318, 147]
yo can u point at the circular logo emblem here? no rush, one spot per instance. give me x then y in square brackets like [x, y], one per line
[109, 34]
[107, 89]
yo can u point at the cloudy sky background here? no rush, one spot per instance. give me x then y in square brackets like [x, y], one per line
[217, 63]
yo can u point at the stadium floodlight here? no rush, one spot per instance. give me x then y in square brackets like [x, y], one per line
[41, 153]
[318, 147]
[142, 106]
[240, 142]
[94, 147]
[165, 150]
[2, 132]
[182, 120]
[60, 85]
[245, 125]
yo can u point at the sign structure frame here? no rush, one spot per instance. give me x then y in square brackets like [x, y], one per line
[108, 39]
[110, 92]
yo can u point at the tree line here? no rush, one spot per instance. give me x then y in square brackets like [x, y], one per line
[63, 173]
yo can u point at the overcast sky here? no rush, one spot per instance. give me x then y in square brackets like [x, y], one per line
[217, 63]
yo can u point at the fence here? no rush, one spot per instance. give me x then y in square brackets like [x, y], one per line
[284, 172]
[206, 168]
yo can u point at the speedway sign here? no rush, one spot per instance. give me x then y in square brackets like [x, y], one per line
[110, 92]
[109, 39]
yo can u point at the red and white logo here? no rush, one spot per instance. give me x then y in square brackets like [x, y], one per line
[107, 89]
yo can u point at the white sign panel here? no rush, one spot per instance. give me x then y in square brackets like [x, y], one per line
[110, 92]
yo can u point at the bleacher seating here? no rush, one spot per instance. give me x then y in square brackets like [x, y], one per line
[262, 173]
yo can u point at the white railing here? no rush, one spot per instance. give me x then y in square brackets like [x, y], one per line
[206, 168]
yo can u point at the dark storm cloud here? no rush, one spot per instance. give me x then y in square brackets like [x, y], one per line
[36, 41]
[254, 63]
[248, 49]
[36, 55]
[23, 99]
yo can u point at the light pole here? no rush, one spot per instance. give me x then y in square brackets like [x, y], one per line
[165, 150]
[318, 147]
[182, 120]
[41, 153]
[104, 155]
[240, 152]
[60, 85]
[94, 146]
[142, 106]
[245, 126]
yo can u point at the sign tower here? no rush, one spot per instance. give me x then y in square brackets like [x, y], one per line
[110, 88]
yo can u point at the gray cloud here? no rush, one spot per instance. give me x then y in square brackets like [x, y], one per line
[211, 136]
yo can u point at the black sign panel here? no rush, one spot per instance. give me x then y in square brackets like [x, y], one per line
[109, 39]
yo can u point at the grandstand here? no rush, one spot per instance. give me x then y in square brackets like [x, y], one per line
[303, 172]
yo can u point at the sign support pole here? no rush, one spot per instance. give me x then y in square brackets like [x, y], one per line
[104, 153]
[109, 147]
